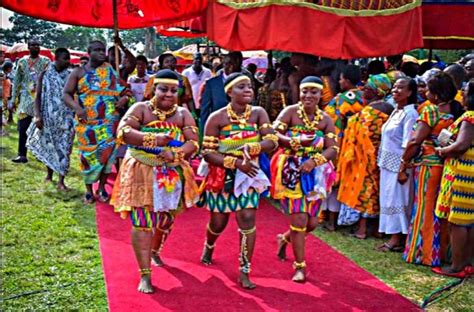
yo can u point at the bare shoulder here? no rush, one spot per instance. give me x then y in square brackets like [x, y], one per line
[138, 107]
[183, 111]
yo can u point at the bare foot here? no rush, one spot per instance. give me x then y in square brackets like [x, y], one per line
[245, 281]
[206, 257]
[281, 253]
[156, 260]
[62, 187]
[48, 179]
[145, 285]
[329, 227]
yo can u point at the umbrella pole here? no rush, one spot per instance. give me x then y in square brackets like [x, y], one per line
[116, 34]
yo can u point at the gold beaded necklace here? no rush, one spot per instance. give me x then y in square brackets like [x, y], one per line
[162, 115]
[240, 119]
[310, 125]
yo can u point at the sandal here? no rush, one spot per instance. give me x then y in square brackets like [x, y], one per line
[102, 196]
[387, 247]
[88, 199]
[447, 271]
[358, 236]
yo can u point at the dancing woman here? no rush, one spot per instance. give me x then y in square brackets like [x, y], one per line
[302, 175]
[155, 181]
[235, 138]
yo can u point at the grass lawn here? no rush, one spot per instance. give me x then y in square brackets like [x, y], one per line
[51, 260]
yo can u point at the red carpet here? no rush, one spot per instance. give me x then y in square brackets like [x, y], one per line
[334, 283]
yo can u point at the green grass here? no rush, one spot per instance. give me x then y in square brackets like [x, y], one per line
[49, 240]
[51, 261]
[412, 281]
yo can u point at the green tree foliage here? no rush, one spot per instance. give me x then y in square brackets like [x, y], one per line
[78, 38]
[25, 27]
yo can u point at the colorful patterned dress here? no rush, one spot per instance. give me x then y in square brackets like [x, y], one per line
[230, 190]
[427, 239]
[146, 185]
[24, 84]
[342, 106]
[99, 90]
[456, 197]
[301, 193]
[357, 167]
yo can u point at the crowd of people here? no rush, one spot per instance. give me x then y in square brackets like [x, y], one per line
[387, 148]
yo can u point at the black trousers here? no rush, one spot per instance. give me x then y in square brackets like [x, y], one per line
[23, 125]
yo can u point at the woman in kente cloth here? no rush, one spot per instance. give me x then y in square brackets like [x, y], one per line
[302, 171]
[155, 181]
[236, 138]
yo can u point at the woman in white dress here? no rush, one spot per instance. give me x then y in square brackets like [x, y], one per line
[395, 186]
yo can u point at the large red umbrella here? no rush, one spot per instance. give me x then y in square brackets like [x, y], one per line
[99, 13]
[192, 28]
[333, 29]
[19, 50]
[448, 25]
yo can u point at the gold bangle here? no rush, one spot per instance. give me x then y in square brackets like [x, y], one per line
[208, 151]
[280, 125]
[194, 129]
[178, 155]
[295, 144]
[331, 135]
[336, 148]
[121, 133]
[196, 145]
[265, 126]
[130, 116]
[210, 138]
[271, 137]
[229, 162]
[254, 148]
[319, 159]
[210, 145]
[149, 140]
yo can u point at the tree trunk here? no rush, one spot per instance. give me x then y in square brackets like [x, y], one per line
[150, 46]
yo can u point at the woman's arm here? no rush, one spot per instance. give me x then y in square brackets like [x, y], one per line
[463, 142]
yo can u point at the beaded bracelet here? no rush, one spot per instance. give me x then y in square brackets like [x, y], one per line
[271, 137]
[229, 162]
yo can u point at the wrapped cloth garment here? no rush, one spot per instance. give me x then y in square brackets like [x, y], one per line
[427, 240]
[144, 180]
[357, 165]
[98, 91]
[456, 199]
[229, 190]
[301, 192]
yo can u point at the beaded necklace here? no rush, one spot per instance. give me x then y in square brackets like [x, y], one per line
[240, 119]
[162, 115]
[310, 125]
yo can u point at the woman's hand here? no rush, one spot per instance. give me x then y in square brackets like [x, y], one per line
[162, 139]
[307, 140]
[122, 102]
[81, 114]
[307, 166]
[402, 177]
[167, 156]
[248, 167]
